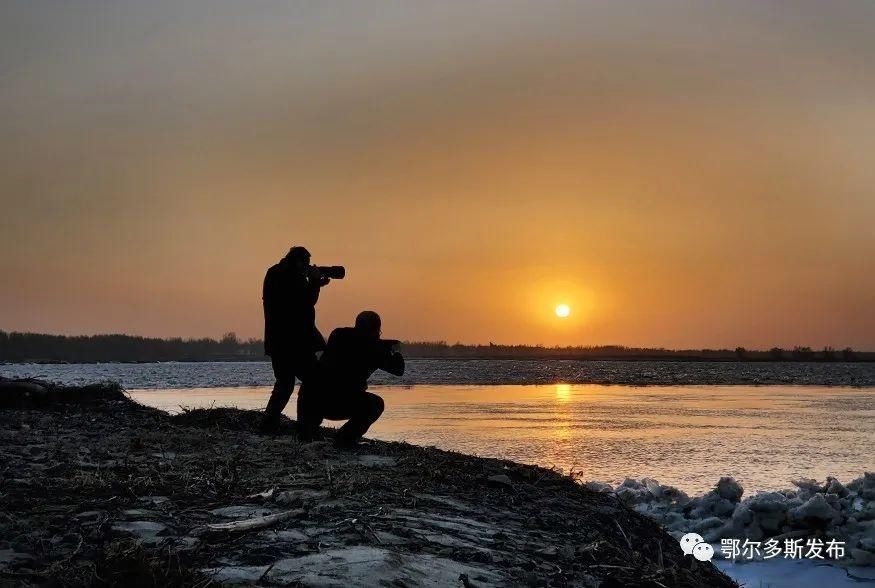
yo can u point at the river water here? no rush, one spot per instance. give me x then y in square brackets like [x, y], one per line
[606, 420]
[687, 436]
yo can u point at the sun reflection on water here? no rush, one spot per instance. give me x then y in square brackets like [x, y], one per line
[563, 392]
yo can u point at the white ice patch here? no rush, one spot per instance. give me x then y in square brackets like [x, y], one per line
[813, 510]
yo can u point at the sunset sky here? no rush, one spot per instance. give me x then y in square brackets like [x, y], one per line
[680, 174]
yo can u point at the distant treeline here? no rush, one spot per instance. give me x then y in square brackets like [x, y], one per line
[34, 347]
[492, 350]
[24, 347]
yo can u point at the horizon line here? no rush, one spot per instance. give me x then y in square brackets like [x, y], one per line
[444, 343]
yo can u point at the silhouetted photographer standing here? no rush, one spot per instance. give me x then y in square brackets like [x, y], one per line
[291, 339]
[339, 391]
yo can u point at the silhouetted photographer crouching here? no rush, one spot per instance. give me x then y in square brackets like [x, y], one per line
[339, 392]
[291, 339]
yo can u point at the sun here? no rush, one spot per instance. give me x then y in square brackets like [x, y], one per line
[563, 310]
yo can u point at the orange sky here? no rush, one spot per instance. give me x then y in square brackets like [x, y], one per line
[681, 174]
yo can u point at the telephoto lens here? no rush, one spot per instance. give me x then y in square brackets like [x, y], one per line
[335, 272]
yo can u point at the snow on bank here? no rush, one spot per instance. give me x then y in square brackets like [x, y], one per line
[789, 573]
[813, 510]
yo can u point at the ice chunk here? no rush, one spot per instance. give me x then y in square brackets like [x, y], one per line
[729, 489]
[768, 502]
[600, 487]
[816, 511]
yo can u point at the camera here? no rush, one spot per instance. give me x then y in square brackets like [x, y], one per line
[335, 272]
[391, 345]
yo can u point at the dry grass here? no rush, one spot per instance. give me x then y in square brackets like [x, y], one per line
[127, 563]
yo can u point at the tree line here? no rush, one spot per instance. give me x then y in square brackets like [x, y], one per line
[37, 347]
[23, 347]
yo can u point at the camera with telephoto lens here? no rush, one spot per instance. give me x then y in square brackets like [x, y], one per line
[335, 272]
[390, 345]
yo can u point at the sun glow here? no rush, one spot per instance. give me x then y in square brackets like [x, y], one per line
[563, 310]
[563, 392]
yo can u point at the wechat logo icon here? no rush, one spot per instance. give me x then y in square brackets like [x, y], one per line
[693, 544]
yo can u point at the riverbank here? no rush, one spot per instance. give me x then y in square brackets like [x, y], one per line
[100, 490]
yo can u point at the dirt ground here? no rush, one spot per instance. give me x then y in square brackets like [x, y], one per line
[98, 490]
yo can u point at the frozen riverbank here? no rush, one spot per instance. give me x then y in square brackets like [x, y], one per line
[817, 534]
